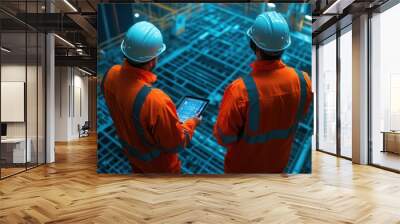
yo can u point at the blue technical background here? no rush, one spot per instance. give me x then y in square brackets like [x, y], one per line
[207, 49]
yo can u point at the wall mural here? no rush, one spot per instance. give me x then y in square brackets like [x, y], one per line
[195, 88]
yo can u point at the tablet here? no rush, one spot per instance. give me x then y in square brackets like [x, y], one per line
[190, 107]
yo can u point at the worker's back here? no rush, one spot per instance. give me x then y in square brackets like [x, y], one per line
[259, 137]
[122, 86]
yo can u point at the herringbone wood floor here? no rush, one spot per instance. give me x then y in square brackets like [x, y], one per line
[70, 191]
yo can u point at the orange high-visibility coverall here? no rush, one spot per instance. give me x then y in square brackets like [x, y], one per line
[151, 142]
[266, 148]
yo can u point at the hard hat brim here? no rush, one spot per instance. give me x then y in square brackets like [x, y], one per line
[144, 58]
[250, 35]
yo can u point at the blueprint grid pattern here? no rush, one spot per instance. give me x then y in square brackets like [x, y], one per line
[211, 53]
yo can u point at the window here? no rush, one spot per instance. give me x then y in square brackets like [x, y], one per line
[385, 89]
[22, 77]
[346, 93]
[327, 96]
[313, 82]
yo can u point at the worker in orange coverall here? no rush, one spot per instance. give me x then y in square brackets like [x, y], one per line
[260, 112]
[145, 118]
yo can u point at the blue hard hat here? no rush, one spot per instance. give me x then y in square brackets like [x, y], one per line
[270, 32]
[142, 42]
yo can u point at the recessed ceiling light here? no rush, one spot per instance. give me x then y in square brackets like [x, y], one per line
[5, 50]
[334, 5]
[84, 71]
[64, 40]
[70, 5]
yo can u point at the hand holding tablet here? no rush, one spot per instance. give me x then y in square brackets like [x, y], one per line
[191, 107]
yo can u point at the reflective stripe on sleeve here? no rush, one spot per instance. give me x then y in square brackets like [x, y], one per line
[254, 101]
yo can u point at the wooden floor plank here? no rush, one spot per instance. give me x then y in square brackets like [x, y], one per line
[70, 191]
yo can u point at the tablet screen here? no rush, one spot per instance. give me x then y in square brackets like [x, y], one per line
[190, 107]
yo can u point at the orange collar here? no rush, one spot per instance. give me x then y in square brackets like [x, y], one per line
[265, 65]
[141, 74]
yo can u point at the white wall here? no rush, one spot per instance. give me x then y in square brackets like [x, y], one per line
[71, 94]
[61, 103]
[80, 100]
[11, 73]
[33, 127]
[16, 72]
